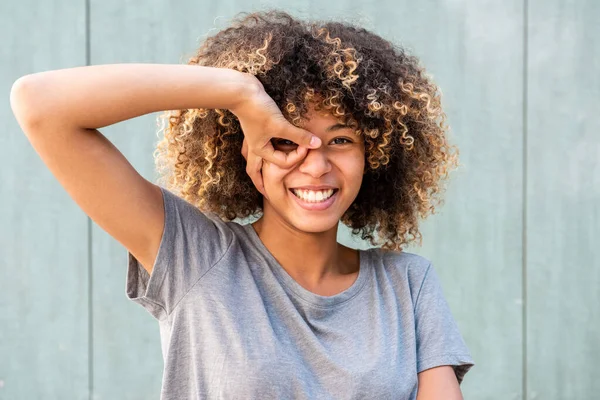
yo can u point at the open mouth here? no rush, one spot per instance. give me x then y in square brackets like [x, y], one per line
[313, 196]
[314, 200]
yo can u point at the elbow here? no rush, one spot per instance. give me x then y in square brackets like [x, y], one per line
[23, 104]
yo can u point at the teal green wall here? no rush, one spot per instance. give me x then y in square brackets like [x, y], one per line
[513, 244]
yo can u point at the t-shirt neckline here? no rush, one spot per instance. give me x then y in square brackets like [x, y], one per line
[304, 294]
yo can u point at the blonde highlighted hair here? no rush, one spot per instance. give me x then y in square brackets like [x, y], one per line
[358, 77]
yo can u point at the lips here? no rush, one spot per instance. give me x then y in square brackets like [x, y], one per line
[317, 206]
[315, 188]
[313, 196]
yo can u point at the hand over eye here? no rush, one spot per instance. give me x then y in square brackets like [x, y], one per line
[261, 122]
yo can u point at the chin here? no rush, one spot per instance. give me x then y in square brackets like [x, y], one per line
[313, 224]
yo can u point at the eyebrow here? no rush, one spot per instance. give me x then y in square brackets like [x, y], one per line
[335, 127]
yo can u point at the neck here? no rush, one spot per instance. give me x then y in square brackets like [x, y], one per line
[310, 258]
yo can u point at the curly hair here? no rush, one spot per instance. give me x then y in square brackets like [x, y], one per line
[358, 77]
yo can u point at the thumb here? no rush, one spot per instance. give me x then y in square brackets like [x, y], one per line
[302, 137]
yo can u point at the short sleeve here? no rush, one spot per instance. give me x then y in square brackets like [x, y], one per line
[439, 341]
[191, 244]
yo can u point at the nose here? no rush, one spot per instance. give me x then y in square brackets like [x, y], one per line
[316, 163]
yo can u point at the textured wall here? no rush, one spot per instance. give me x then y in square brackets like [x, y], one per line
[513, 243]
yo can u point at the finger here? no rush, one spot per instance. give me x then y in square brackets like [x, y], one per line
[258, 177]
[295, 156]
[301, 137]
[254, 170]
[245, 149]
[285, 160]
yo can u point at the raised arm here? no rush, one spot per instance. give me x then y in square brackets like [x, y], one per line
[61, 110]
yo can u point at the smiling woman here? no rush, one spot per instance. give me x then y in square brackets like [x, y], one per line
[381, 157]
[300, 125]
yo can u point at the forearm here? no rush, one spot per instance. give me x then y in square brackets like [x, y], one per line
[101, 95]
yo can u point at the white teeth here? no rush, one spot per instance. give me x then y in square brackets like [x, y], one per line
[313, 196]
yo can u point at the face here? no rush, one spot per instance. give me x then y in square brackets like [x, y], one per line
[313, 195]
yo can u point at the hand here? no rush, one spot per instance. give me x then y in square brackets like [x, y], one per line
[261, 121]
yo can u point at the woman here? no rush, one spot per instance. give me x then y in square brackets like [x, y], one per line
[302, 125]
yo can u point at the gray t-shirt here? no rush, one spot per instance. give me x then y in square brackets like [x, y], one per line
[235, 325]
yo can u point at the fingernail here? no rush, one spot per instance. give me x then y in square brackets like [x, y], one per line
[315, 141]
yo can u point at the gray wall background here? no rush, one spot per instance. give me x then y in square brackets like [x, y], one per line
[516, 243]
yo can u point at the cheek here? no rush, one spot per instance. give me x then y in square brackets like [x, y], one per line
[353, 168]
[273, 176]
[359, 165]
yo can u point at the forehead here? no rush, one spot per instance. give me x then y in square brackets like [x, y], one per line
[321, 116]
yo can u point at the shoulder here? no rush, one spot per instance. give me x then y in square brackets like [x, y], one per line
[193, 226]
[406, 270]
[186, 212]
[412, 265]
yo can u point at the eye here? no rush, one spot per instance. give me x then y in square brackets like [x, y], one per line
[282, 143]
[341, 140]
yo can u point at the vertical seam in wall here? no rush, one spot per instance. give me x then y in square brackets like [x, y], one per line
[524, 190]
[89, 236]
